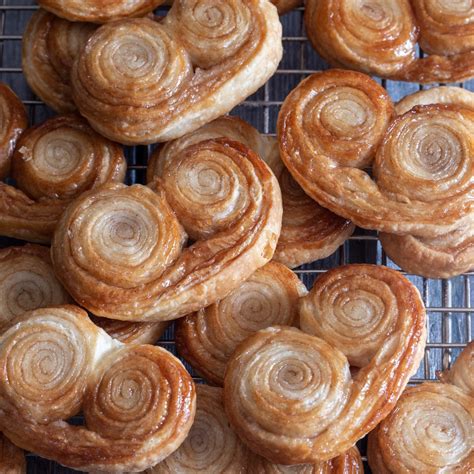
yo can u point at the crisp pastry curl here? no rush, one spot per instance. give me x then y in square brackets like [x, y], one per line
[119, 250]
[208, 338]
[99, 11]
[460, 374]
[290, 395]
[13, 120]
[50, 46]
[27, 282]
[12, 459]
[430, 430]
[211, 446]
[200, 61]
[332, 124]
[138, 401]
[380, 37]
[309, 232]
[348, 463]
[53, 163]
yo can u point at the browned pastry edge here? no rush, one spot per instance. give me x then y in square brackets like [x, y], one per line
[14, 120]
[12, 459]
[460, 373]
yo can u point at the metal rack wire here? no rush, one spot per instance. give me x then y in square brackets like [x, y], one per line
[448, 302]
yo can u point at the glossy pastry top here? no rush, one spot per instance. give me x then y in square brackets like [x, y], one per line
[99, 11]
[333, 124]
[211, 446]
[13, 121]
[120, 251]
[208, 338]
[50, 46]
[196, 64]
[290, 395]
[53, 163]
[138, 401]
[380, 37]
[309, 232]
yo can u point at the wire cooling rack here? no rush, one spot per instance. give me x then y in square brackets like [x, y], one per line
[448, 302]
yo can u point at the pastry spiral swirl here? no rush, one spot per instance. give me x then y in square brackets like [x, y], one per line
[99, 11]
[308, 231]
[50, 46]
[12, 459]
[27, 282]
[119, 250]
[430, 430]
[290, 395]
[380, 37]
[211, 446]
[208, 338]
[13, 120]
[204, 58]
[460, 374]
[348, 463]
[138, 401]
[423, 167]
[53, 163]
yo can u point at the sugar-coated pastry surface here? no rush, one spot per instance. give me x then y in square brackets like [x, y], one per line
[290, 394]
[53, 163]
[430, 429]
[309, 232]
[380, 37]
[211, 446]
[138, 401]
[120, 251]
[13, 120]
[196, 64]
[208, 338]
[336, 123]
[50, 46]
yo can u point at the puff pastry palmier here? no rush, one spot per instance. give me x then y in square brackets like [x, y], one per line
[52, 164]
[290, 395]
[50, 46]
[138, 401]
[332, 124]
[208, 338]
[211, 446]
[430, 430]
[12, 459]
[348, 463]
[460, 374]
[119, 250]
[196, 64]
[99, 11]
[380, 37]
[13, 120]
[309, 232]
[27, 282]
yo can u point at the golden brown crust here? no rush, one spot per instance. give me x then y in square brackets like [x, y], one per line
[290, 395]
[99, 11]
[196, 64]
[208, 338]
[50, 45]
[224, 196]
[440, 257]
[460, 374]
[348, 463]
[337, 119]
[309, 232]
[430, 430]
[53, 163]
[12, 459]
[285, 6]
[13, 120]
[27, 282]
[380, 37]
[211, 446]
[138, 401]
